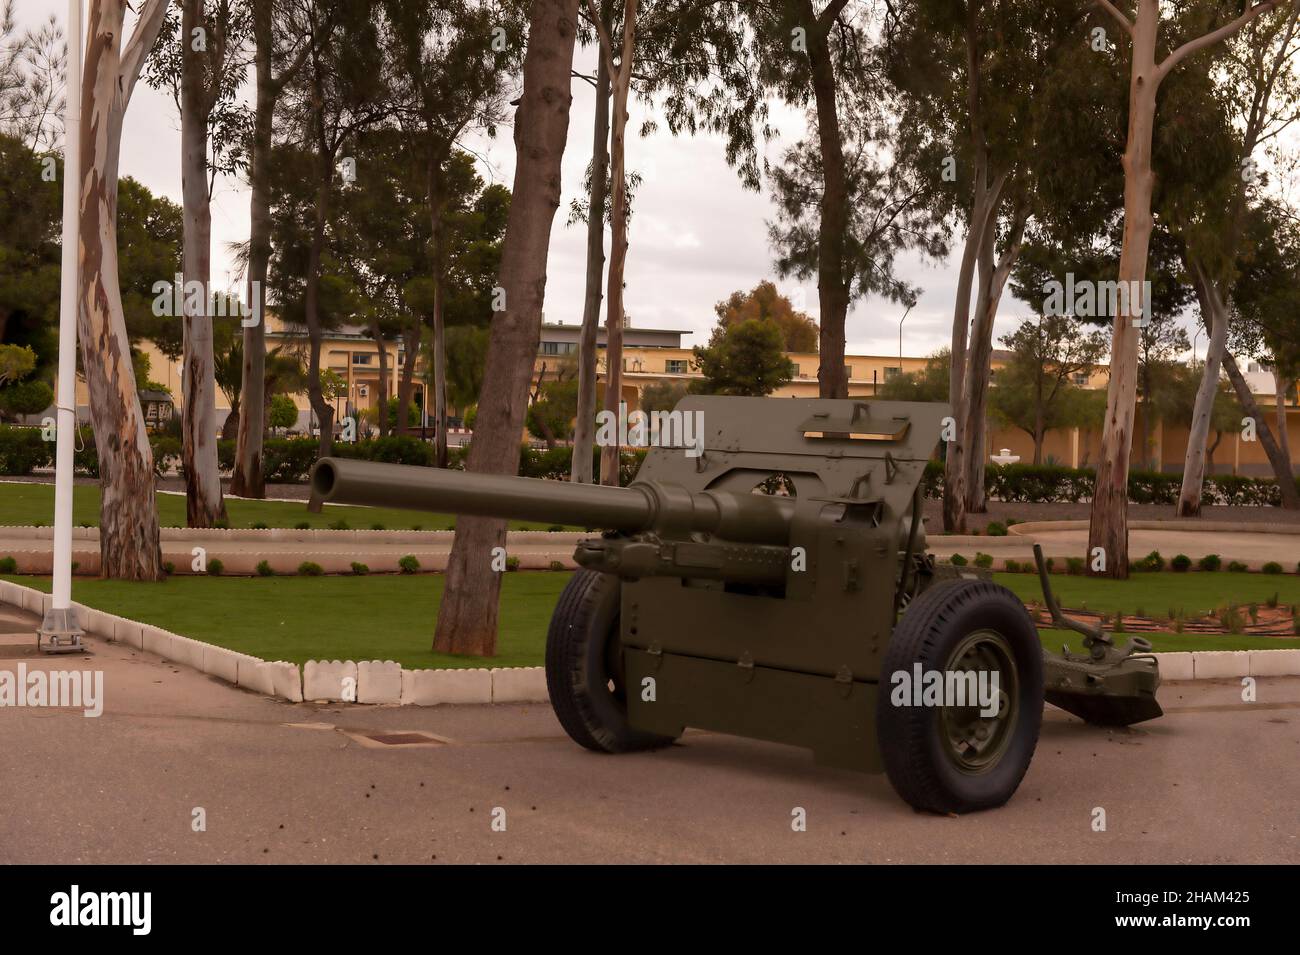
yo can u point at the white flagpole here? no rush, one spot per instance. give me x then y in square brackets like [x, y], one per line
[60, 624]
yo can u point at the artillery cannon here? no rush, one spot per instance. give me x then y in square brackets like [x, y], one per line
[772, 582]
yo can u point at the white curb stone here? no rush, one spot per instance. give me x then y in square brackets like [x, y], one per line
[430, 687]
[1176, 666]
[323, 680]
[221, 663]
[379, 681]
[1210, 664]
[10, 593]
[185, 651]
[128, 632]
[253, 674]
[154, 640]
[31, 600]
[286, 680]
[519, 685]
[1274, 662]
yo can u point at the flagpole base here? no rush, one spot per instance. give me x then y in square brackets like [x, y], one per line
[59, 632]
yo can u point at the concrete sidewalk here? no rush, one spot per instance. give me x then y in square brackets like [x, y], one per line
[277, 782]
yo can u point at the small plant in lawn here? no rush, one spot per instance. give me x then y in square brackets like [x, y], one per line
[555, 528]
[556, 565]
[1050, 563]
[302, 526]
[983, 560]
[340, 525]
[512, 563]
[997, 529]
[215, 567]
[1210, 562]
[1272, 601]
[408, 564]
[1181, 563]
[261, 526]
[1074, 565]
[957, 560]
[1011, 566]
[169, 568]
[1179, 624]
[377, 527]
[1119, 622]
[264, 569]
[1272, 567]
[1140, 612]
[1229, 619]
[1237, 567]
[8, 565]
[359, 569]
[1253, 610]
[309, 568]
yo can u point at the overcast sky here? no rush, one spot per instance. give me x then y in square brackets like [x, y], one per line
[696, 234]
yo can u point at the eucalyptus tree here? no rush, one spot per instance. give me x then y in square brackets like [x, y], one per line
[201, 58]
[1197, 28]
[467, 615]
[128, 523]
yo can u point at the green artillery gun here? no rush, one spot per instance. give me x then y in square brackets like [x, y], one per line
[771, 580]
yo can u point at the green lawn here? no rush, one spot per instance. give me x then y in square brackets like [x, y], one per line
[1193, 593]
[26, 504]
[391, 617]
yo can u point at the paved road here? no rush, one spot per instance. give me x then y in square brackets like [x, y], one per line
[1214, 781]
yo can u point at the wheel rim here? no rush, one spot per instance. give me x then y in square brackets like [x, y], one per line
[974, 742]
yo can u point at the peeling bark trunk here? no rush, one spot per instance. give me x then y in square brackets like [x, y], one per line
[1283, 435]
[622, 84]
[467, 615]
[247, 479]
[381, 395]
[128, 523]
[832, 286]
[203, 504]
[584, 431]
[1189, 497]
[1280, 464]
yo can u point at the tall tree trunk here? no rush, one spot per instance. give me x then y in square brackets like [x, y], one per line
[247, 479]
[1108, 528]
[622, 84]
[1264, 434]
[832, 284]
[406, 381]
[1189, 497]
[584, 430]
[467, 616]
[437, 201]
[381, 394]
[203, 504]
[128, 522]
[315, 333]
[1283, 436]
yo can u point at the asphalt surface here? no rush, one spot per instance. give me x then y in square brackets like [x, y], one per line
[1213, 781]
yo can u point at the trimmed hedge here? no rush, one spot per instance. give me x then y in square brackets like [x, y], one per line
[1042, 484]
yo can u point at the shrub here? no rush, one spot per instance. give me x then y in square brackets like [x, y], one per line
[1181, 563]
[1237, 567]
[1074, 565]
[215, 567]
[8, 565]
[302, 526]
[1152, 563]
[408, 564]
[1230, 619]
[1210, 562]
[261, 526]
[169, 568]
[984, 560]
[1273, 601]
[512, 563]
[555, 528]
[309, 568]
[22, 450]
[1272, 567]
[1011, 566]
[359, 568]
[997, 529]
[339, 525]
[377, 527]
[264, 569]
[957, 560]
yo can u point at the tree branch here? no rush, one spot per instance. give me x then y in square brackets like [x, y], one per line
[606, 44]
[1192, 47]
[138, 47]
[1118, 14]
[829, 15]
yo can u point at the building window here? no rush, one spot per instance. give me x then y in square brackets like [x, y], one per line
[559, 348]
[675, 366]
[848, 371]
[797, 372]
[892, 371]
[358, 359]
[1080, 380]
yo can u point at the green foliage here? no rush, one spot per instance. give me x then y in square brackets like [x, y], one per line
[983, 560]
[408, 564]
[930, 384]
[764, 303]
[282, 414]
[8, 565]
[957, 560]
[340, 525]
[1237, 567]
[309, 568]
[264, 569]
[512, 563]
[1272, 567]
[215, 567]
[550, 417]
[997, 529]
[747, 358]
[1181, 563]
[359, 569]
[662, 395]
[1210, 562]
[22, 450]
[1074, 566]
[1151, 563]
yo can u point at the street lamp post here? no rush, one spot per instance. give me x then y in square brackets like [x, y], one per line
[59, 632]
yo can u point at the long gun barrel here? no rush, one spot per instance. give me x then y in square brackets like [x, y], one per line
[662, 508]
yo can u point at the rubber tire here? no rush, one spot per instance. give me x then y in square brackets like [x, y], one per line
[911, 745]
[576, 674]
